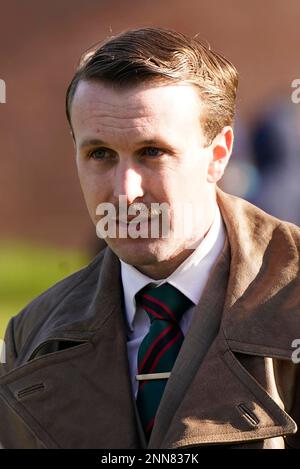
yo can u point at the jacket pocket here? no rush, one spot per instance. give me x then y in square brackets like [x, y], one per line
[51, 346]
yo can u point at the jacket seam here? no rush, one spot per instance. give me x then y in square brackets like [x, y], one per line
[218, 437]
[257, 345]
[43, 357]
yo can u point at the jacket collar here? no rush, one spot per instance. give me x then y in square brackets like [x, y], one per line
[230, 407]
[263, 288]
[260, 300]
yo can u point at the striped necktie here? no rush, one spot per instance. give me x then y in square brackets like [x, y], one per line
[158, 351]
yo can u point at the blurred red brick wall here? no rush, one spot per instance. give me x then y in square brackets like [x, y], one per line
[40, 43]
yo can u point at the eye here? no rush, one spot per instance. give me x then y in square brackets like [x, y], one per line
[152, 152]
[100, 154]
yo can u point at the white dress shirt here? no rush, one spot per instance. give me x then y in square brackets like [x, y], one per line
[190, 278]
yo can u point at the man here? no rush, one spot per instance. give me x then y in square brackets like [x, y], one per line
[162, 341]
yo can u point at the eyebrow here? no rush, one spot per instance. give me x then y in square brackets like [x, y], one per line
[89, 142]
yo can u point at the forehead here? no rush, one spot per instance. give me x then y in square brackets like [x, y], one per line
[145, 109]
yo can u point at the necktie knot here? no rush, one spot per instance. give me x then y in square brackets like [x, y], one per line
[165, 302]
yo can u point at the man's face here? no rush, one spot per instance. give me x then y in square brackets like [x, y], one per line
[145, 143]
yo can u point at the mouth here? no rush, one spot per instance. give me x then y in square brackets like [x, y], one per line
[133, 220]
[133, 224]
[134, 227]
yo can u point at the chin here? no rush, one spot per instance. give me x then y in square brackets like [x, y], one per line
[138, 251]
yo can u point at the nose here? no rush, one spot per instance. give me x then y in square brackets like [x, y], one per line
[128, 182]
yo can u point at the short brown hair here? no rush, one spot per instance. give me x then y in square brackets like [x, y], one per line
[164, 56]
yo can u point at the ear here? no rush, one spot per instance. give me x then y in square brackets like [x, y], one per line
[220, 149]
[73, 137]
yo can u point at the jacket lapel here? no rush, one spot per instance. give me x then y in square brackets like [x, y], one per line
[216, 399]
[225, 405]
[264, 283]
[97, 414]
[220, 402]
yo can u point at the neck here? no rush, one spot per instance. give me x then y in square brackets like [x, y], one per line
[164, 269]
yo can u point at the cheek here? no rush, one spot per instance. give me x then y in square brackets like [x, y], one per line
[190, 183]
[95, 189]
[161, 188]
[196, 174]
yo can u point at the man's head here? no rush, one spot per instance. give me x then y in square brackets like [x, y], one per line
[151, 114]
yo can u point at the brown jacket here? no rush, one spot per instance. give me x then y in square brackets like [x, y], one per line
[66, 380]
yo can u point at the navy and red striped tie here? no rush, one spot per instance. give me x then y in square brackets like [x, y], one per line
[158, 351]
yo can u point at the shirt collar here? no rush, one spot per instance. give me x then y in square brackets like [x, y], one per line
[190, 277]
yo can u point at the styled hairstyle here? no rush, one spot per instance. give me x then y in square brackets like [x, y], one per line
[163, 56]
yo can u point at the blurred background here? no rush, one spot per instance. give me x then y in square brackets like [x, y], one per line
[45, 231]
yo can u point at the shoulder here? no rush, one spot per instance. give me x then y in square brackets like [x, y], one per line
[250, 220]
[264, 289]
[293, 231]
[74, 289]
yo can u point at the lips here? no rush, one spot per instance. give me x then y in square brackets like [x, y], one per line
[132, 220]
